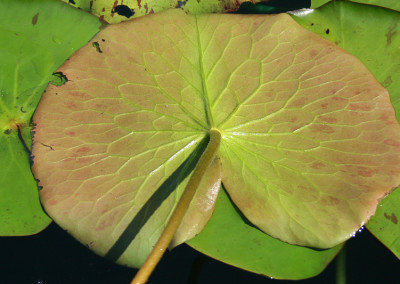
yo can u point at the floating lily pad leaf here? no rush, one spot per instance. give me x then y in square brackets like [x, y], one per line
[391, 4]
[240, 244]
[369, 33]
[122, 10]
[309, 138]
[385, 223]
[36, 37]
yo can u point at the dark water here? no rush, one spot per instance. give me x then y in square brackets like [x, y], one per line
[53, 257]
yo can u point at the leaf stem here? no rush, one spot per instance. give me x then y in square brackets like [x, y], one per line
[341, 267]
[204, 162]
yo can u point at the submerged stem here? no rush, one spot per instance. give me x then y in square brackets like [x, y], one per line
[341, 267]
[163, 242]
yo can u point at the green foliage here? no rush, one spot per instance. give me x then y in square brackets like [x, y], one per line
[369, 33]
[35, 38]
[48, 32]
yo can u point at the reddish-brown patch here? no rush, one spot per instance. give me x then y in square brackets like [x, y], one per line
[70, 133]
[387, 119]
[330, 200]
[83, 150]
[139, 2]
[392, 142]
[113, 8]
[360, 107]
[392, 218]
[317, 165]
[338, 99]
[52, 202]
[324, 105]
[35, 19]
[313, 52]
[70, 105]
[365, 172]
[322, 128]
[328, 119]
[299, 102]
[105, 223]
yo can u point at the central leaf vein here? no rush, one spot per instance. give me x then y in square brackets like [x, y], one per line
[205, 96]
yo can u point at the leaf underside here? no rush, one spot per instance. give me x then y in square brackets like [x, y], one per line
[309, 138]
[369, 33]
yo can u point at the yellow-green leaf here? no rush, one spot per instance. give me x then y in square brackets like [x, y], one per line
[123, 10]
[309, 138]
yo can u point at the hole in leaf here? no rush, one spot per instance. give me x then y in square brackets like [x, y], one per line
[59, 79]
[123, 10]
[97, 46]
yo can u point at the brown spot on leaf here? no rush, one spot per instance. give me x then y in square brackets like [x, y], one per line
[322, 128]
[392, 30]
[391, 142]
[360, 107]
[387, 82]
[365, 172]
[35, 19]
[324, 105]
[70, 105]
[327, 119]
[317, 165]
[83, 150]
[330, 200]
[313, 53]
[392, 218]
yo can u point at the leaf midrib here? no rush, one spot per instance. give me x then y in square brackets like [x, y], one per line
[205, 96]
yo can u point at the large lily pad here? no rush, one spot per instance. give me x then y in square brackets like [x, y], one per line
[369, 33]
[35, 38]
[309, 138]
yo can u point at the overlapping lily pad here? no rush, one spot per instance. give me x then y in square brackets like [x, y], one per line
[309, 136]
[35, 39]
[118, 11]
[391, 4]
[370, 34]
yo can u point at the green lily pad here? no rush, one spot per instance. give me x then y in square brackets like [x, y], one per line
[239, 243]
[369, 33]
[385, 223]
[391, 4]
[308, 143]
[36, 37]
